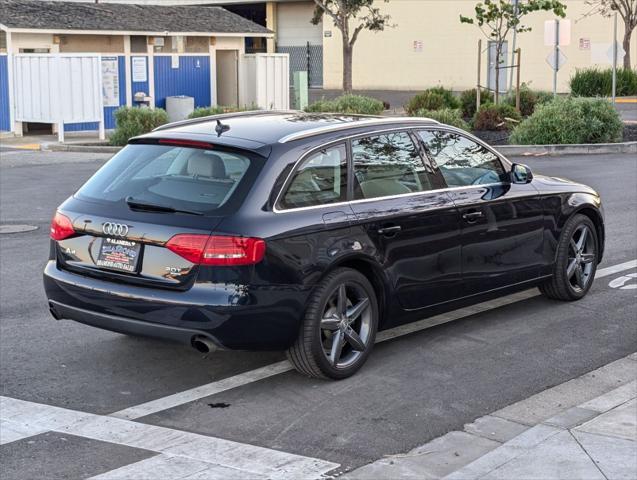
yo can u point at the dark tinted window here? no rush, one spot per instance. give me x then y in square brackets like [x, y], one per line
[386, 165]
[461, 160]
[319, 180]
[183, 178]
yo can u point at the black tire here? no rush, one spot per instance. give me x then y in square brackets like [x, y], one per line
[308, 353]
[560, 286]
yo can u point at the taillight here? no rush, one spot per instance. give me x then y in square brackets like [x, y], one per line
[217, 250]
[61, 227]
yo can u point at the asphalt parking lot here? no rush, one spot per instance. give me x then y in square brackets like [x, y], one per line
[414, 387]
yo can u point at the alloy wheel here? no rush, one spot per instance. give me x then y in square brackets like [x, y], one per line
[346, 325]
[581, 258]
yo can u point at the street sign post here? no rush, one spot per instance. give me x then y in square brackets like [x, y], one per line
[556, 33]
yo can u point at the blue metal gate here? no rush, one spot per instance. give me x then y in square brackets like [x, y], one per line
[191, 78]
[5, 124]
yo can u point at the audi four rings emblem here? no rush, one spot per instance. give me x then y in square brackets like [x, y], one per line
[115, 229]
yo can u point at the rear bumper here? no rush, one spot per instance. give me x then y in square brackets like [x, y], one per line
[126, 325]
[242, 317]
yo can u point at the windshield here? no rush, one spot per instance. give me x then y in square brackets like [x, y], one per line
[175, 177]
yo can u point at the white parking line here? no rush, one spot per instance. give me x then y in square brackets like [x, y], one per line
[182, 453]
[241, 379]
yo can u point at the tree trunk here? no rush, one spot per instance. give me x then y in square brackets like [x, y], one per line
[347, 67]
[626, 45]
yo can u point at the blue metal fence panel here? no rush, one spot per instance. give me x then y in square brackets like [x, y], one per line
[5, 124]
[109, 112]
[192, 78]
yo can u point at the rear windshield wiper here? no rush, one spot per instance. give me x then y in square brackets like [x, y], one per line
[152, 207]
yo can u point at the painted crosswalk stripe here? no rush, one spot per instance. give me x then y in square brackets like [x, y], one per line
[216, 456]
[262, 373]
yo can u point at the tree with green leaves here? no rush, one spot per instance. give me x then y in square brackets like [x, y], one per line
[343, 12]
[627, 10]
[497, 18]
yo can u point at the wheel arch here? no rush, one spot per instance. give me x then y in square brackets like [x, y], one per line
[595, 216]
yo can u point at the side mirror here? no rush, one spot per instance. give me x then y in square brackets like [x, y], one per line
[521, 173]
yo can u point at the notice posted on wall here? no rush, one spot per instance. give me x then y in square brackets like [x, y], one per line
[139, 69]
[110, 81]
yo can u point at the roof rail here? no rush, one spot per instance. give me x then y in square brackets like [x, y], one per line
[360, 123]
[221, 116]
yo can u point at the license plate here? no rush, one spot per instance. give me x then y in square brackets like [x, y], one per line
[119, 254]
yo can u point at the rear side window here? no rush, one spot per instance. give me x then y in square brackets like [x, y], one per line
[320, 179]
[387, 165]
[462, 161]
[182, 178]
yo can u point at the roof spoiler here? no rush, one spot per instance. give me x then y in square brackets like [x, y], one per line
[222, 116]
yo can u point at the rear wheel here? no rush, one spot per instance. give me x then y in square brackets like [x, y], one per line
[576, 261]
[339, 327]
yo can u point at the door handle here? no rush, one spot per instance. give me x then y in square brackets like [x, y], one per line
[389, 231]
[471, 217]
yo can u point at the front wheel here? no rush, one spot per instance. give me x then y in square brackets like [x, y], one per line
[576, 261]
[339, 327]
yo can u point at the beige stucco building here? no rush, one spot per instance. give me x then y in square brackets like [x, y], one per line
[428, 45]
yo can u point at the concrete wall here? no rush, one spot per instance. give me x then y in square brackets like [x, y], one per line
[388, 60]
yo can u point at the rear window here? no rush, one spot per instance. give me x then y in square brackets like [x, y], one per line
[189, 179]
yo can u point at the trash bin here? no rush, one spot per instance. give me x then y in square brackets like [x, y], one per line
[179, 107]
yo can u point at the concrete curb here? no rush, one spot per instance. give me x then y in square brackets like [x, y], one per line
[574, 149]
[492, 439]
[81, 148]
[506, 150]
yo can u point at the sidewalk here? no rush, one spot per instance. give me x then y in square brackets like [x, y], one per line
[583, 429]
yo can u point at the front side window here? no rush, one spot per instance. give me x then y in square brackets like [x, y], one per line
[387, 165]
[170, 176]
[320, 179]
[462, 161]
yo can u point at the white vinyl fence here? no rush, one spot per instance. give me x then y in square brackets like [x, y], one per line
[265, 80]
[59, 89]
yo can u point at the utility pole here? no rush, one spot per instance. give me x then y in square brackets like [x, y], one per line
[556, 65]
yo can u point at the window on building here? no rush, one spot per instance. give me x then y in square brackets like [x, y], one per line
[138, 44]
[3, 41]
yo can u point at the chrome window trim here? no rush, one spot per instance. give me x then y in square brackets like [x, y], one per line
[359, 123]
[389, 197]
[410, 128]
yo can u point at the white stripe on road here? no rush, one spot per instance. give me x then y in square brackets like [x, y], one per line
[219, 386]
[195, 453]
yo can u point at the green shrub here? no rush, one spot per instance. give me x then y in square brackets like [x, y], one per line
[468, 101]
[218, 109]
[432, 99]
[570, 120]
[528, 100]
[593, 82]
[447, 116]
[353, 104]
[133, 121]
[496, 117]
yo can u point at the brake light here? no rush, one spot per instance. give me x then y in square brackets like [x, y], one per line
[217, 250]
[61, 227]
[185, 143]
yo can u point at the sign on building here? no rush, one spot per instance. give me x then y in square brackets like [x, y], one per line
[139, 72]
[110, 82]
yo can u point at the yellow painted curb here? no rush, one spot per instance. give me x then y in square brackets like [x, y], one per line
[28, 146]
[626, 100]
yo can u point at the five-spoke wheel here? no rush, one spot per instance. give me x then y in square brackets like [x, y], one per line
[339, 328]
[576, 261]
